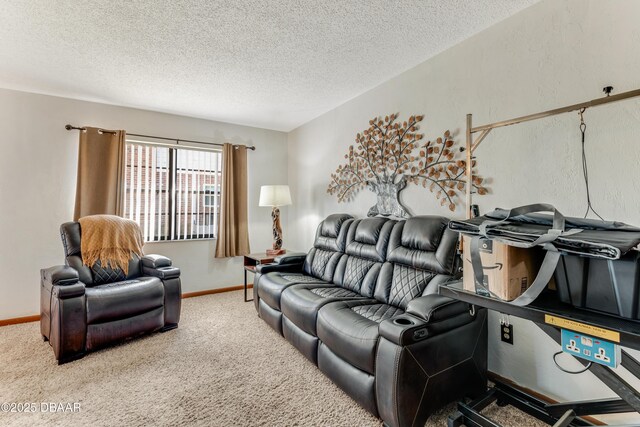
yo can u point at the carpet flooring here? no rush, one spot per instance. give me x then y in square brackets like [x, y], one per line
[222, 367]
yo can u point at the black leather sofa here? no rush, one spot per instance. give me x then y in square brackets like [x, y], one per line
[83, 308]
[363, 305]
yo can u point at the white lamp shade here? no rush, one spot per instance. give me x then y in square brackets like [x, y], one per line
[274, 195]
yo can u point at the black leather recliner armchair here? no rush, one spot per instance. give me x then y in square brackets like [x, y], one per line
[364, 307]
[84, 308]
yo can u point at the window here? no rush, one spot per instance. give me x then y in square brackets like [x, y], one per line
[211, 195]
[173, 193]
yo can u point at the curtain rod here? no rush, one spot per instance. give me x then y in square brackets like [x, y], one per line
[178, 141]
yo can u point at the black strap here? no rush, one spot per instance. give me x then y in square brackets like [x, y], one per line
[478, 270]
[556, 229]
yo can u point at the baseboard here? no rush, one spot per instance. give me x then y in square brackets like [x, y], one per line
[35, 318]
[494, 376]
[17, 320]
[214, 291]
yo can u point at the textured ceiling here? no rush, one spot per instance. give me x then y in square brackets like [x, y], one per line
[270, 64]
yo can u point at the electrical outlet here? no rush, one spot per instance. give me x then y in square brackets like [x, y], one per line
[506, 333]
[590, 348]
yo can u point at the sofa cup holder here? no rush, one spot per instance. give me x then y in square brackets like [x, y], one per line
[403, 321]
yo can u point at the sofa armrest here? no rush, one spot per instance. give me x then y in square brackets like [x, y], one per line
[159, 266]
[291, 258]
[289, 268]
[155, 261]
[435, 308]
[63, 312]
[162, 273]
[62, 282]
[426, 317]
[68, 291]
[404, 329]
[60, 275]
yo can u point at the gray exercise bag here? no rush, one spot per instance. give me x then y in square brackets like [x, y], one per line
[525, 227]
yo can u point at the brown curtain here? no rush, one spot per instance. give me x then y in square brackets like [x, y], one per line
[100, 173]
[233, 231]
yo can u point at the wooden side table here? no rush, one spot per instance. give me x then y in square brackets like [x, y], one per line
[251, 261]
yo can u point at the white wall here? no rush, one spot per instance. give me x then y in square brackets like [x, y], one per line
[38, 163]
[553, 54]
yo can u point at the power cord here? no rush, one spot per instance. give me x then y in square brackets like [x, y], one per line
[585, 171]
[567, 371]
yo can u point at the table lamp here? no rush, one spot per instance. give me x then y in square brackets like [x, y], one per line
[275, 196]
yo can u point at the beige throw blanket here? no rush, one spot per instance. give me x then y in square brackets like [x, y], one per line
[111, 240]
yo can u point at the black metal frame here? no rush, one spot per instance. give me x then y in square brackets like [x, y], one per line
[567, 414]
[468, 414]
[246, 284]
[549, 303]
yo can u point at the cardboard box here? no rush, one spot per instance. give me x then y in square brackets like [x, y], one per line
[508, 271]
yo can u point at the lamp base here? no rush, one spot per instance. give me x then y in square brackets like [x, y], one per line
[275, 252]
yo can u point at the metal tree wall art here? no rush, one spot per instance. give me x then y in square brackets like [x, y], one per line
[388, 155]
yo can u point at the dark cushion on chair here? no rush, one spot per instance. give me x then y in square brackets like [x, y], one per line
[274, 283]
[332, 232]
[420, 249]
[70, 233]
[321, 263]
[106, 274]
[120, 300]
[399, 284]
[300, 303]
[423, 242]
[366, 247]
[368, 238]
[350, 330]
[328, 246]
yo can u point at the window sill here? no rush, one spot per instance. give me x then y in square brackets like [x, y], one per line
[181, 241]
